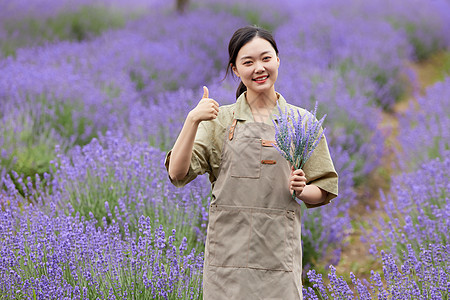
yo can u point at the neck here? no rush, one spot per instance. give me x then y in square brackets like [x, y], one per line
[261, 105]
[261, 101]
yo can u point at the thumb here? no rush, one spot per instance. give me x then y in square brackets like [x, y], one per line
[205, 92]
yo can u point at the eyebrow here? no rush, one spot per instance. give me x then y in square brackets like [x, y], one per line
[249, 56]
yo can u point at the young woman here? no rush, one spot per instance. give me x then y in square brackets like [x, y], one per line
[253, 247]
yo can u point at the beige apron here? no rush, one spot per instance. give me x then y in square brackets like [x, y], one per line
[253, 249]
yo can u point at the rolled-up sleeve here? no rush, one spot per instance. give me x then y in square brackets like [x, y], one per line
[319, 170]
[199, 160]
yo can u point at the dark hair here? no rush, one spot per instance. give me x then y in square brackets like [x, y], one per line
[241, 37]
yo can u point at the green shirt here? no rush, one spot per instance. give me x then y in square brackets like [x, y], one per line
[208, 144]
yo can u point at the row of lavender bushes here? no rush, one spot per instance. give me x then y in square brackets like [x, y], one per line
[416, 209]
[410, 241]
[140, 238]
[119, 87]
[25, 24]
[413, 276]
[410, 237]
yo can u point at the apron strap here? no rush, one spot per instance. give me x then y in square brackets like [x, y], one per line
[231, 133]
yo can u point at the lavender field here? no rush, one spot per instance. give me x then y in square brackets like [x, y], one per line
[93, 94]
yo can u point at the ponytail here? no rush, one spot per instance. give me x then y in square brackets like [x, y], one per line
[241, 88]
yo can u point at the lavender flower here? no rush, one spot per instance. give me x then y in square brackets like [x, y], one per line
[297, 136]
[416, 212]
[415, 276]
[424, 127]
[94, 230]
[48, 256]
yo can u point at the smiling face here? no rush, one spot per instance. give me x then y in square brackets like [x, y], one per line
[257, 65]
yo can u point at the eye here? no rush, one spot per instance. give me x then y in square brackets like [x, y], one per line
[247, 62]
[266, 58]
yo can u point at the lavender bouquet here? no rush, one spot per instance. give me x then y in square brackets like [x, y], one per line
[296, 137]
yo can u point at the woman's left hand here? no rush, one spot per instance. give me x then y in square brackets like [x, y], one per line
[297, 181]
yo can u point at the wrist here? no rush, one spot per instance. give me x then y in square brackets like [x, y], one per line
[312, 194]
[192, 119]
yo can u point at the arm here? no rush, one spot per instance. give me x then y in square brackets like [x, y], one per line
[206, 109]
[319, 170]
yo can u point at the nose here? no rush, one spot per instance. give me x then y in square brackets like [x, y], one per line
[259, 67]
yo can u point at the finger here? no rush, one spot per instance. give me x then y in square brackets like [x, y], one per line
[214, 111]
[297, 189]
[205, 92]
[298, 183]
[211, 105]
[299, 172]
[298, 177]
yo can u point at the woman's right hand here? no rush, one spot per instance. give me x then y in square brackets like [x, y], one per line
[207, 109]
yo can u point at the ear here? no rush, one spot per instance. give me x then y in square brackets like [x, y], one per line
[278, 61]
[235, 71]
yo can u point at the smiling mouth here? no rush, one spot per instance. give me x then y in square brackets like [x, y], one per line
[261, 79]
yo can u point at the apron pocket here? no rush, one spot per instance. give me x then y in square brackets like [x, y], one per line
[269, 246]
[228, 237]
[246, 158]
[246, 237]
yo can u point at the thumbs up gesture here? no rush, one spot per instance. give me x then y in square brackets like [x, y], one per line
[206, 109]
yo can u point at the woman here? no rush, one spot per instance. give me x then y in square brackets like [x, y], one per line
[253, 247]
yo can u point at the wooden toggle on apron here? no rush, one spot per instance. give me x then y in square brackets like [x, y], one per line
[253, 249]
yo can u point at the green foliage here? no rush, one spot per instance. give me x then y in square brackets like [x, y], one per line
[138, 80]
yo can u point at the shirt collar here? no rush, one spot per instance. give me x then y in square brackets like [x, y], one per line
[243, 112]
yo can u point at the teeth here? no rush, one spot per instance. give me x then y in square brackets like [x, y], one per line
[261, 78]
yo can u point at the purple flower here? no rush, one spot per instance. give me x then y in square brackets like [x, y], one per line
[297, 135]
